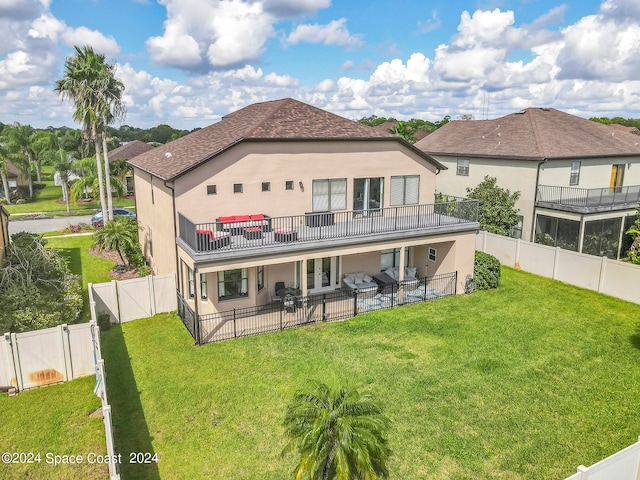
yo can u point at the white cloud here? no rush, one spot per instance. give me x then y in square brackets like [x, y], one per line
[281, 80]
[325, 86]
[84, 36]
[333, 33]
[431, 24]
[348, 65]
[294, 8]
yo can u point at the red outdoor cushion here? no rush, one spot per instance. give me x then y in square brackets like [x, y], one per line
[242, 218]
[227, 219]
[205, 232]
[259, 216]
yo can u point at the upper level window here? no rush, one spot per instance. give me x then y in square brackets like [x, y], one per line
[329, 194]
[463, 167]
[212, 190]
[266, 186]
[237, 188]
[574, 179]
[404, 189]
[288, 185]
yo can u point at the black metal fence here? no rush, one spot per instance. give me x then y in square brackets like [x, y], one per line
[188, 317]
[587, 199]
[312, 227]
[325, 307]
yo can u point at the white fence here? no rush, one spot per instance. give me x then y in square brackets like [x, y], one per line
[43, 357]
[127, 300]
[612, 277]
[623, 465]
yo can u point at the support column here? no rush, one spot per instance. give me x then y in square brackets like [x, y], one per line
[401, 261]
[581, 234]
[303, 277]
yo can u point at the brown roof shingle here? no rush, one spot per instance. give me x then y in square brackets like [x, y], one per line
[285, 119]
[532, 134]
[130, 150]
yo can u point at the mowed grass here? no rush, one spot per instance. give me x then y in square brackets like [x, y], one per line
[53, 420]
[524, 382]
[49, 200]
[92, 269]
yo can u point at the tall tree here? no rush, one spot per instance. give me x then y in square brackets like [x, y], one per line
[19, 141]
[4, 172]
[496, 206]
[634, 231]
[338, 433]
[90, 83]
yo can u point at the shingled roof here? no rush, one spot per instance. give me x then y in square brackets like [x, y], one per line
[285, 119]
[531, 134]
[129, 150]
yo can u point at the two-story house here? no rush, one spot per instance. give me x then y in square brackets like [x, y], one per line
[4, 232]
[282, 196]
[127, 151]
[579, 180]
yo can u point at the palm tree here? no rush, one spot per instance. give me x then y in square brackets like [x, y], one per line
[19, 140]
[339, 434]
[97, 96]
[4, 171]
[85, 168]
[120, 235]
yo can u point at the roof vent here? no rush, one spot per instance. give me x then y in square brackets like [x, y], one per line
[167, 154]
[613, 134]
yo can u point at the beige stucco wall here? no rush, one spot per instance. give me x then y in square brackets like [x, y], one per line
[454, 253]
[594, 173]
[254, 163]
[156, 220]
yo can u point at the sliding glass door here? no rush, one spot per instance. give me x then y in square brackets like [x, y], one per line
[367, 195]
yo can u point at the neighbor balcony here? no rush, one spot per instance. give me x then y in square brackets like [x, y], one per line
[588, 200]
[270, 235]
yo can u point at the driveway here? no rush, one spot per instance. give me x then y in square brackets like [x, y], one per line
[42, 225]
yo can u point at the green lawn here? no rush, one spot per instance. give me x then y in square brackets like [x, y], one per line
[53, 420]
[92, 269]
[47, 201]
[524, 382]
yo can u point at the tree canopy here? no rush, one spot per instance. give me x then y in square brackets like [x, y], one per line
[338, 432]
[496, 206]
[36, 288]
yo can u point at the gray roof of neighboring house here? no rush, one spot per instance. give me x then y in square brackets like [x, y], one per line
[531, 134]
[278, 120]
[130, 150]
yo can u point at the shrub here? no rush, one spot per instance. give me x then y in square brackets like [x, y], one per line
[104, 321]
[486, 271]
[38, 291]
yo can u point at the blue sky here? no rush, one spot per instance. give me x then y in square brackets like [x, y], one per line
[188, 62]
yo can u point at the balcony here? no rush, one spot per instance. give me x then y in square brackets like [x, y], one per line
[215, 240]
[588, 200]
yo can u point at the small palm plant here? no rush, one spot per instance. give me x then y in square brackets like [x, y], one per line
[338, 433]
[120, 235]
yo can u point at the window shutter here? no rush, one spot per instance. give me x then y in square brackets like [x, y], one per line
[339, 194]
[397, 191]
[320, 195]
[412, 188]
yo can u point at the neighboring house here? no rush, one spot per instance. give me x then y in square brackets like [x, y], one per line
[579, 180]
[127, 151]
[4, 232]
[231, 207]
[15, 176]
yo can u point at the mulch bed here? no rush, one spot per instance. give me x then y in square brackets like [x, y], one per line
[114, 257]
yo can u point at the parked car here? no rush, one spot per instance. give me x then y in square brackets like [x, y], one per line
[98, 221]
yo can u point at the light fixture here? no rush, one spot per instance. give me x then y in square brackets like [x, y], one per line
[301, 186]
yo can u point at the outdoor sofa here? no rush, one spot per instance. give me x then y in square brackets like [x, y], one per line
[410, 281]
[236, 224]
[360, 283]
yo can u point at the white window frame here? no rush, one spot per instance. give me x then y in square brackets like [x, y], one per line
[463, 165]
[335, 191]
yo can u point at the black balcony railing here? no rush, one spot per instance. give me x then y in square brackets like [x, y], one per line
[588, 199]
[320, 226]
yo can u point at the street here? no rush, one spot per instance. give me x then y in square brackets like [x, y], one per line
[43, 225]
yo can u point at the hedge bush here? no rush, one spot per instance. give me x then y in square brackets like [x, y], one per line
[486, 271]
